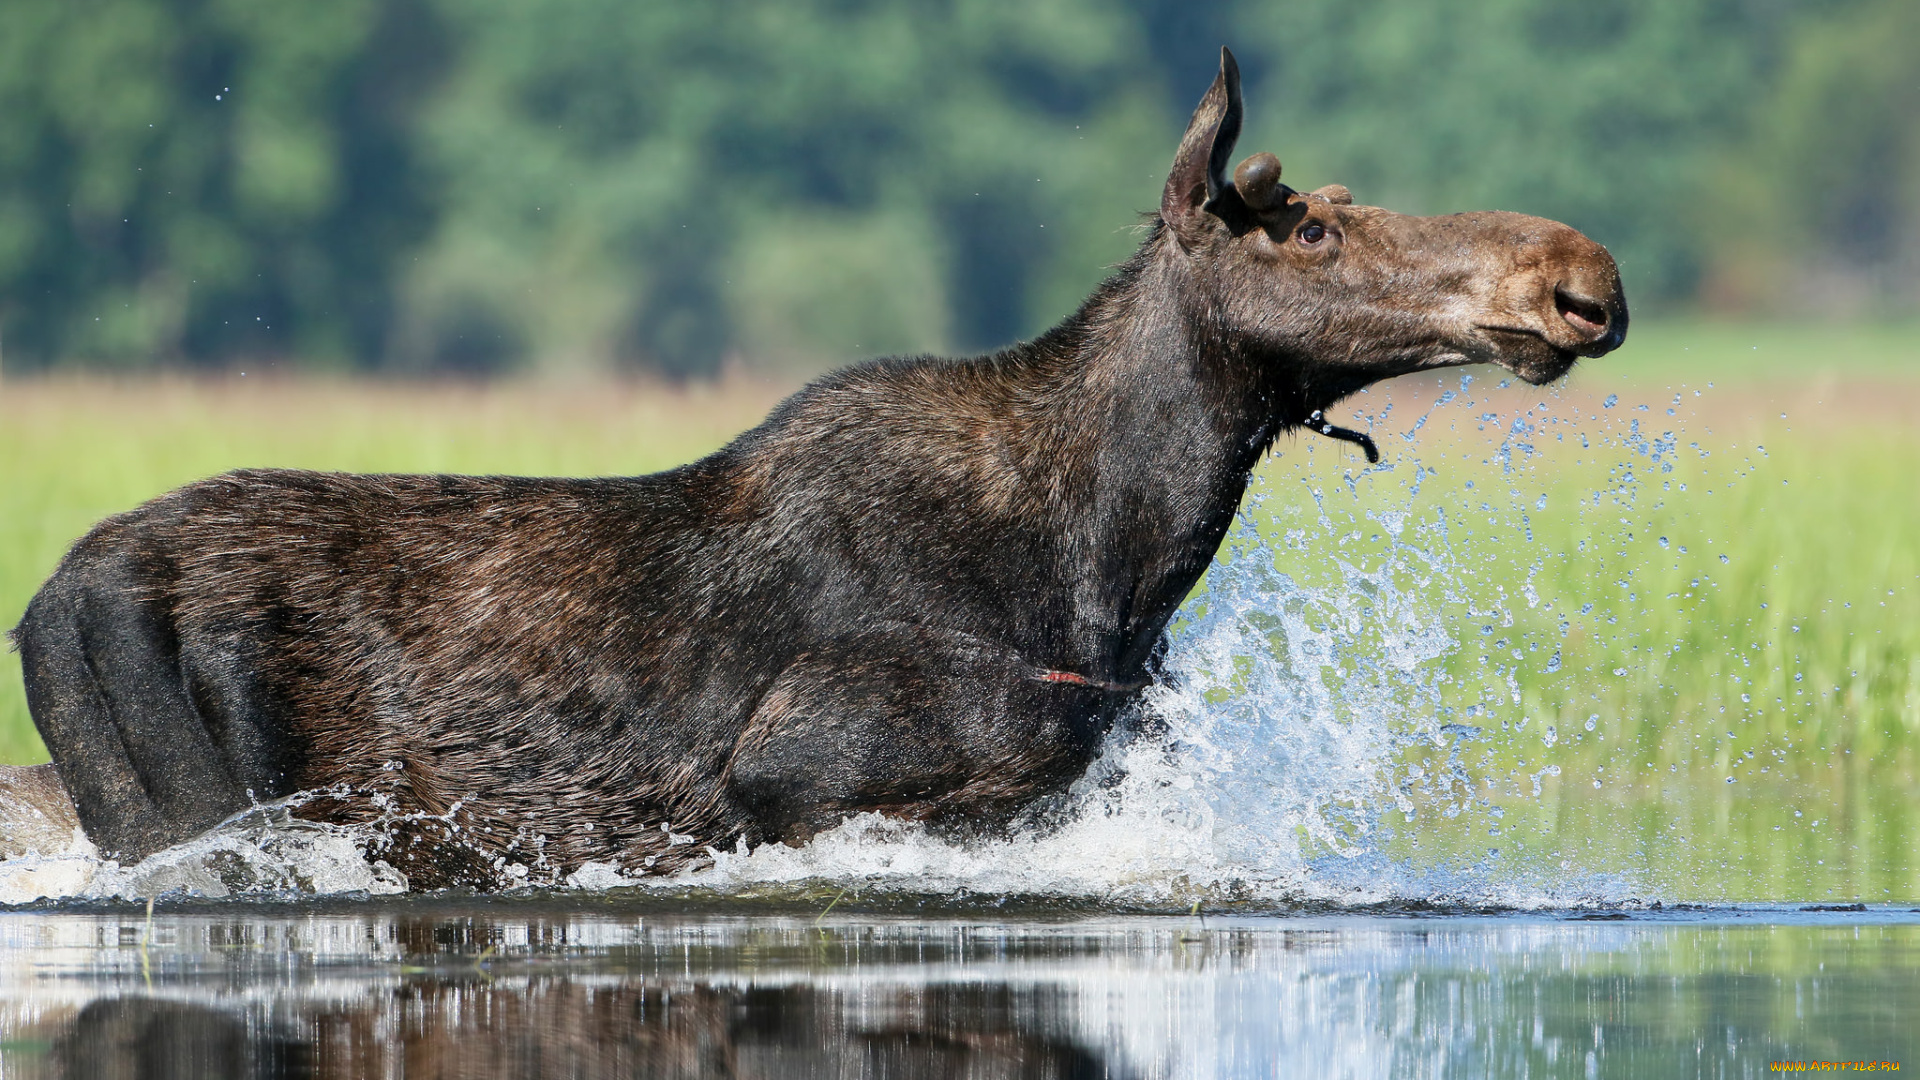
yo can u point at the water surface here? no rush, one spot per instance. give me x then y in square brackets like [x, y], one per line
[479, 987]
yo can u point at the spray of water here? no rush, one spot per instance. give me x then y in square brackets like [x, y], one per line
[1302, 733]
[1298, 730]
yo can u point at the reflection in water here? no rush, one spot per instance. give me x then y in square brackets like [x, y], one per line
[543, 992]
[565, 1027]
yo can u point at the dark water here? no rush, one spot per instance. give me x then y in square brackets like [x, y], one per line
[479, 987]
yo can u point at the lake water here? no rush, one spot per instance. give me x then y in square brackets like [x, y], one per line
[538, 987]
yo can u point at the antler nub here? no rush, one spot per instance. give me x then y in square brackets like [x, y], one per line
[1258, 181]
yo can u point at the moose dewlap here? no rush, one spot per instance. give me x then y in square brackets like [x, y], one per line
[922, 586]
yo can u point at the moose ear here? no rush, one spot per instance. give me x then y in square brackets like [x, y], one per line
[1198, 184]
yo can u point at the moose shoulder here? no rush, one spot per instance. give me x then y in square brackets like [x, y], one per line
[921, 586]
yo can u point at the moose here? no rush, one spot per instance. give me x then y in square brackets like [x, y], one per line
[922, 587]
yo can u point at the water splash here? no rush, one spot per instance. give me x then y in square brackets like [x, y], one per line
[262, 852]
[1270, 765]
[1303, 735]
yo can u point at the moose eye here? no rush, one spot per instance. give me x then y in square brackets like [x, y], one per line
[1313, 233]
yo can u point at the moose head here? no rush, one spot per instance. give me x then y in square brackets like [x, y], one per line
[1368, 293]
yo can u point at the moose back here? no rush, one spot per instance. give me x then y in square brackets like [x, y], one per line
[922, 586]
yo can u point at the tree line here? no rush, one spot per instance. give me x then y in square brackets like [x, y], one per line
[423, 186]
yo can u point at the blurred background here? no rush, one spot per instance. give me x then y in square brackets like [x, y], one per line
[596, 237]
[594, 186]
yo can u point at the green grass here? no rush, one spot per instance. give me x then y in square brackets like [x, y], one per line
[1755, 612]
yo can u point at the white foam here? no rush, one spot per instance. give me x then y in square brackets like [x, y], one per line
[264, 851]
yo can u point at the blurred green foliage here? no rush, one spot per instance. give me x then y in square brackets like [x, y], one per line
[586, 185]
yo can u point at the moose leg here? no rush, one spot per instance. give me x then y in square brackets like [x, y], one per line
[105, 688]
[950, 735]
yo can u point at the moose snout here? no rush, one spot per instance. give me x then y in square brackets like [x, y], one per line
[1551, 293]
[1556, 295]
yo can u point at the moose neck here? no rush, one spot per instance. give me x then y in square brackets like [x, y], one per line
[1168, 416]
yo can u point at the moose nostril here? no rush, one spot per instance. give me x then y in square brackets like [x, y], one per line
[1583, 315]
